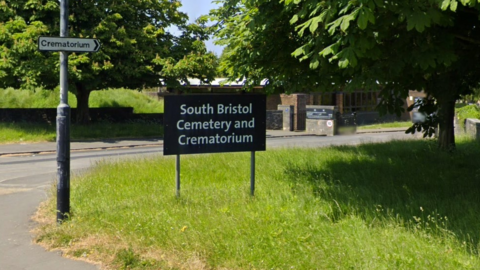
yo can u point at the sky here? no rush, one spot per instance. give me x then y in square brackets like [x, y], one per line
[196, 8]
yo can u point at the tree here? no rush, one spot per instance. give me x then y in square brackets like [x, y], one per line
[259, 41]
[394, 46]
[20, 62]
[220, 59]
[422, 45]
[189, 57]
[132, 33]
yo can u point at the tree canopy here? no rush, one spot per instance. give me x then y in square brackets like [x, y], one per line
[259, 41]
[137, 50]
[392, 46]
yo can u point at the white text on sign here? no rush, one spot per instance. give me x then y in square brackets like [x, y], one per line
[221, 109]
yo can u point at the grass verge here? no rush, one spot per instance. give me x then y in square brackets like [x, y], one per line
[398, 205]
[405, 124]
[36, 132]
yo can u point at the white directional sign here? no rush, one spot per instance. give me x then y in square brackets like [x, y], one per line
[67, 44]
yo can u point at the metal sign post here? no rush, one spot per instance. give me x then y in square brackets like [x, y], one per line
[252, 174]
[64, 44]
[63, 126]
[197, 124]
[177, 174]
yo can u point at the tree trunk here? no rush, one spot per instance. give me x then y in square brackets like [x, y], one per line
[446, 112]
[83, 112]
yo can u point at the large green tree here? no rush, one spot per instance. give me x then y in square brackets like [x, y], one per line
[393, 46]
[427, 45]
[133, 35]
[259, 41]
[189, 57]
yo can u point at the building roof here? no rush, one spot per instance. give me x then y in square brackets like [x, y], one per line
[219, 83]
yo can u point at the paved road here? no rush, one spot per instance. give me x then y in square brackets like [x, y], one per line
[25, 181]
[28, 172]
[323, 141]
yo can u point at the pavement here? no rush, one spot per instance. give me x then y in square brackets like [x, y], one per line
[50, 147]
[17, 251]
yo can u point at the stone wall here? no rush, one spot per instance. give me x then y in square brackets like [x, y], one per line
[117, 115]
[320, 127]
[28, 115]
[368, 118]
[274, 119]
[287, 111]
[472, 127]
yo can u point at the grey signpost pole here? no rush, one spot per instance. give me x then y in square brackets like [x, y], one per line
[63, 126]
[252, 174]
[177, 174]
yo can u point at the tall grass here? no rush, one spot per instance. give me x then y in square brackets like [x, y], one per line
[26, 132]
[37, 98]
[141, 103]
[40, 98]
[399, 205]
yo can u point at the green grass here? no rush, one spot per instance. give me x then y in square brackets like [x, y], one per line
[39, 98]
[468, 111]
[36, 132]
[141, 103]
[41, 132]
[405, 124]
[463, 111]
[399, 205]
[26, 132]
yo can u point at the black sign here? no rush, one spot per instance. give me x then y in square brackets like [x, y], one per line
[197, 124]
[314, 113]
